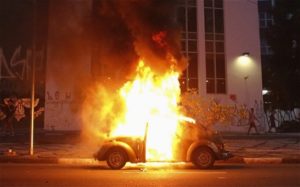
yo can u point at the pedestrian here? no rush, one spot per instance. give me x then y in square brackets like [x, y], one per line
[9, 111]
[252, 119]
[272, 121]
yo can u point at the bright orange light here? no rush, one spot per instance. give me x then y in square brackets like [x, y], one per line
[152, 99]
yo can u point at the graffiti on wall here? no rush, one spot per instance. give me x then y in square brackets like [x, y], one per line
[58, 96]
[19, 66]
[15, 79]
[59, 115]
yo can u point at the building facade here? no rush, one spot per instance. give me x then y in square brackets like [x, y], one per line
[220, 38]
[222, 41]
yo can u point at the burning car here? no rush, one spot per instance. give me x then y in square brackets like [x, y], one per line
[195, 144]
[149, 124]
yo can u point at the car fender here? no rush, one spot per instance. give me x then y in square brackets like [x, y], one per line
[101, 154]
[200, 143]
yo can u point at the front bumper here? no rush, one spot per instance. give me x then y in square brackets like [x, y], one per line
[225, 155]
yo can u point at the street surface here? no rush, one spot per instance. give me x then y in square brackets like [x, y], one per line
[184, 175]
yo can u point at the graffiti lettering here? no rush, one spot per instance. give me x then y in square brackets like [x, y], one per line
[58, 115]
[6, 72]
[17, 61]
[58, 96]
[68, 95]
[18, 66]
[49, 97]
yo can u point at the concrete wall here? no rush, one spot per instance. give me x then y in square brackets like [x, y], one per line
[68, 62]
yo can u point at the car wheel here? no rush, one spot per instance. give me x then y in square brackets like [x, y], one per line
[116, 158]
[203, 158]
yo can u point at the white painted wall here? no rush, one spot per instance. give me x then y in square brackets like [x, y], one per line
[241, 27]
[201, 48]
[242, 35]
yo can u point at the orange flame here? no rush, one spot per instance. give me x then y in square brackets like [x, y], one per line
[153, 100]
[149, 101]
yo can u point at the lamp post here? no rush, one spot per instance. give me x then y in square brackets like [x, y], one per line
[31, 152]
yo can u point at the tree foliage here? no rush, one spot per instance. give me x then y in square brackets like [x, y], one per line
[208, 111]
[283, 71]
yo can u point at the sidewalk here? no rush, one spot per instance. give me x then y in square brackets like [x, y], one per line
[59, 147]
[42, 137]
[281, 149]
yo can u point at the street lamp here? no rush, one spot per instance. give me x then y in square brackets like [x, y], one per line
[246, 54]
[244, 59]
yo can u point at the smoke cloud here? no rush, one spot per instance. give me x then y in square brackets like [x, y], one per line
[126, 30]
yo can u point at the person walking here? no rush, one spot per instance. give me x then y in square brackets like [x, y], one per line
[252, 119]
[272, 122]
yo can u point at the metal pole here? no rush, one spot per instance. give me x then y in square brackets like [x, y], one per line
[33, 79]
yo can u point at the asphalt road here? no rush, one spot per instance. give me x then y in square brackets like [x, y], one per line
[45, 175]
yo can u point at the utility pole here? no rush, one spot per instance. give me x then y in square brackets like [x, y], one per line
[31, 152]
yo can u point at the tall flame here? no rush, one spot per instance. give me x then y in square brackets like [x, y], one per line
[144, 107]
[151, 100]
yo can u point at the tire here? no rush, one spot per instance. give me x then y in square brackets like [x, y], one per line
[116, 158]
[203, 158]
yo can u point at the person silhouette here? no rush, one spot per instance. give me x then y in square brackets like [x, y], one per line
[272, 122]
[252, 119]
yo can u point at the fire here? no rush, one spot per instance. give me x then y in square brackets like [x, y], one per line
[145, 107]
[151, 100]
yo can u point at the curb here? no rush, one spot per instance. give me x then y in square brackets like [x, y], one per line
[291, 160]
[261, 137]
[263, 160]
[91, 161]
[28, 159]
[77, 161]
[266, 160]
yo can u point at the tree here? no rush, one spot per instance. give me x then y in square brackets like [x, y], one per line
[208, 111]
[283, 72]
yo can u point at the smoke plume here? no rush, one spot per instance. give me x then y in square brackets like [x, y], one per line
[123, 32]
[126, 30]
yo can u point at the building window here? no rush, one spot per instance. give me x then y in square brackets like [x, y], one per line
[265, 47]
[265, 21]
[265, 5]
[187, 17]
[214, 47]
